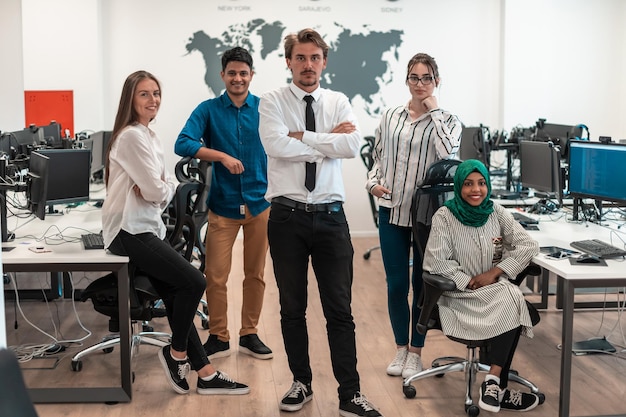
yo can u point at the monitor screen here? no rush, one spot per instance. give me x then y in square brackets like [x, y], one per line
[97, 151]
[68, 175]
[595, 170]
[474, 145]
[37, 184]
[52, 135]
[540, 167]
[558, 134]
[28, 137]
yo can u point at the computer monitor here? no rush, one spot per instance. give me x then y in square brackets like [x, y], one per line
[540, 169]
[31, 137]
[52, 135]
[96, 141]
[475, 144]
[596, 171]
[37, 184]
[68, 175]
[557, 134]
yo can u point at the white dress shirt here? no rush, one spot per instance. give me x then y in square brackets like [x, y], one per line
[136, 158]
[282, 111]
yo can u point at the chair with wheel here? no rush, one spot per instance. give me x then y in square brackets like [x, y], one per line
[366, 156]
[144, 300]
[437, 187]
[192, 170]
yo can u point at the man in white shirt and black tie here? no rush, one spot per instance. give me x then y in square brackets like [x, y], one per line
[305, 187]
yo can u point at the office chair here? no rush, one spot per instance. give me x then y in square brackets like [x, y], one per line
[368, 161]
[437, 187]
[191, 170]
[144, 300]
[14, 397]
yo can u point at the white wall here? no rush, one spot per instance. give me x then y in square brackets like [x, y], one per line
[502, 62]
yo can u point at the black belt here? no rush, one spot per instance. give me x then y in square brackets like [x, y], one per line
[332, 207]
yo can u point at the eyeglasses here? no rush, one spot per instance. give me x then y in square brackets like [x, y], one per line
[414, 79]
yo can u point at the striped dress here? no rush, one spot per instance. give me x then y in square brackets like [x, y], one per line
[403, 151]
[460, 252]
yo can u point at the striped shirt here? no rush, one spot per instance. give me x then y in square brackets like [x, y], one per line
[403, 151]
[460, 252]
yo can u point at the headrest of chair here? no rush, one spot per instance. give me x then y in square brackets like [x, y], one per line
[440, 172]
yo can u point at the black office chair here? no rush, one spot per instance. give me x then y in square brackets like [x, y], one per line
[437, 187]
[144, 300]
[368, 161]
[14, 397]
[191, 170]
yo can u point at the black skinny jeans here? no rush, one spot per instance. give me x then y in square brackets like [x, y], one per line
[500, 352]
[294, 236]
[179, 284]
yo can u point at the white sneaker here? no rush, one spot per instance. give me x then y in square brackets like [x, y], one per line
[396, 366]
[412, 365]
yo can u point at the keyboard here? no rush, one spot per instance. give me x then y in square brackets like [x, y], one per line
[93, 241]
[598, 248]
[523, 219]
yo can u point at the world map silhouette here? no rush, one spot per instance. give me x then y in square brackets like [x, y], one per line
[356, 64]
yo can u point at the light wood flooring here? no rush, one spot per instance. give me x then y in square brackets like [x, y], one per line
[598, 381]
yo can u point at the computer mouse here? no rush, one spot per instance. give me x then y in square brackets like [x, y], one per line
[587, 259]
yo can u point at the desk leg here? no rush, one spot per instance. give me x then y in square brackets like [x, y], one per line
[123, 295]
[566, 346]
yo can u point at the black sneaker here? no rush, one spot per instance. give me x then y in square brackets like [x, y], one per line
[518, 401]
[489, 396]
[250, 344]
[176, 371]
[358, 406]
[215, 348]
[296, 397]
[221, 384]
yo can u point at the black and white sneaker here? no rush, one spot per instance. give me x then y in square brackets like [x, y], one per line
[489, 396]
[518, 401]
[221, 384]
[358, 406]
[215, 348]
[298, 395]
[250, 344]
[176, 371]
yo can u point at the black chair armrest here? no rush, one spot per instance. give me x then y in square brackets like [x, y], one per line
[531, 270]
[434, 286]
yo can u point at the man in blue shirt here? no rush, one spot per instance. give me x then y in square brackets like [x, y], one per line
[225, 131]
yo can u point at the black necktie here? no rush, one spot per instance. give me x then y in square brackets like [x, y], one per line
[309, 179]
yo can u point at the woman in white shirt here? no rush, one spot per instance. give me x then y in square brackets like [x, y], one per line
[138, 189]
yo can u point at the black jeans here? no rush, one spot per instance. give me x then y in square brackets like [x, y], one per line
[294, 237]
[500, 352]
[179, 284]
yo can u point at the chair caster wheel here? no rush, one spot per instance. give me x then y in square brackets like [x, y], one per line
[205, 324]
[409, 391]
[472, 410]
[108, 350]
[77, 366]
[542, 397]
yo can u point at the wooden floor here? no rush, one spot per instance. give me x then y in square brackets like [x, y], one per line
[598, 381]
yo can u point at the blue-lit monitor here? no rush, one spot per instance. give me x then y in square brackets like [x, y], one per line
[596, 171]
[540, 168]
[68, 175]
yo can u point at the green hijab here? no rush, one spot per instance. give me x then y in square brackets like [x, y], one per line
[464, 212]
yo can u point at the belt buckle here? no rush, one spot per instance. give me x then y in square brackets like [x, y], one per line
[309, 208]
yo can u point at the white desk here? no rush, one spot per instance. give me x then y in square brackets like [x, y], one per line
[570, 277]
[72, 257]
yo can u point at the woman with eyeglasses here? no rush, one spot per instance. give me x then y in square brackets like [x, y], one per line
[408, 140]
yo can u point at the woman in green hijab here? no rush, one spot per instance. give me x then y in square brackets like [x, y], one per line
[477, 243]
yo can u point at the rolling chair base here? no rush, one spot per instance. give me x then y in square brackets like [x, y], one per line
[158, 339]
[470, 366]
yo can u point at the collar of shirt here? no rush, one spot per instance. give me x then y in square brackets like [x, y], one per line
[300, 93]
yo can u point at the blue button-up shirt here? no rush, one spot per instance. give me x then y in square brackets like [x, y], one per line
[235, 131]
